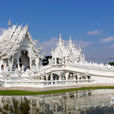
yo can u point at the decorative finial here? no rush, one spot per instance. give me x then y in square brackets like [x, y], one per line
[70, 38]
[27, 27]
[60, 40]
[9, 23]
[60, 35]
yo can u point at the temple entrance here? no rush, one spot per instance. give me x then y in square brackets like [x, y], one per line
[24, 61]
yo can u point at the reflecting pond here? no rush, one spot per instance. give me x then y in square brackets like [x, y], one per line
[76, 102]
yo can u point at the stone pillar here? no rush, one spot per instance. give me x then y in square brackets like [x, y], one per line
[9, 64]
[74, 78]
[37, 62]
[46, 76]
[66, 75]
[4, 67]
[12, 63]
[51, 78]
[78, 77]
[30, 60]
[55, 61]
[18, 63]
[85, 76]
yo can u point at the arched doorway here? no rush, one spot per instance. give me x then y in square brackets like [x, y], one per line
[24, 60]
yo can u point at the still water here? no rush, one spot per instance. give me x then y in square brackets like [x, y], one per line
[77, 102]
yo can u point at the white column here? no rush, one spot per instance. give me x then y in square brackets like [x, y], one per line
[8, 67]
[18, 63]
[78, 77]
[66, 75]
[74, 78]
[51, 78]
[46, 77]
[30, 62]
[55, 61]
[85, 76]
[37, 62]
[5, 67]
[12, 63]
[30, 58]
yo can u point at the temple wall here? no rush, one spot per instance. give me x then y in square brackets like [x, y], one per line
[103, 79]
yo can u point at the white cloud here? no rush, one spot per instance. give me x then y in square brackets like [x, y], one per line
[108, 39]
[47, 46]
[100, 55]
[91, 51]
[95, 32]
[83, 44]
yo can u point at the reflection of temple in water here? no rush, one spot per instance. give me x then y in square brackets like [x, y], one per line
[64, 103]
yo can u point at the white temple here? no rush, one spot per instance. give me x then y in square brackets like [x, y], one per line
[20, 63]
[66, 54]
[17, 49]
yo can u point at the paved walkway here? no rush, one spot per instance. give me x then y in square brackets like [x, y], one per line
[55, 88]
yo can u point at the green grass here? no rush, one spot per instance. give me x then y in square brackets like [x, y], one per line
[21, 92]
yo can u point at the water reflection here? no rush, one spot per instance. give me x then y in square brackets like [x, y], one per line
[78, 102]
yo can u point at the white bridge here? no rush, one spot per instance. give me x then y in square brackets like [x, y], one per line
[59, 75]
[93, 71]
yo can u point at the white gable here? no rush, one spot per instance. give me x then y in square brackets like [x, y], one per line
[12, 39]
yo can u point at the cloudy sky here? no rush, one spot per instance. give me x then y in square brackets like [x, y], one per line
[89, 22]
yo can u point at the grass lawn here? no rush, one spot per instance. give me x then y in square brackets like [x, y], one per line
[21, 92]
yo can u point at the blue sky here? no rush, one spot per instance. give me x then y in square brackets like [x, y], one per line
[88, 21]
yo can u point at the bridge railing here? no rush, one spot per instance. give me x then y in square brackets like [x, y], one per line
[43, 83]
[92, 67]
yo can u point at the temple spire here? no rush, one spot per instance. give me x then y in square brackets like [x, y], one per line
[9, 23]
[70, 40]
[60, 37]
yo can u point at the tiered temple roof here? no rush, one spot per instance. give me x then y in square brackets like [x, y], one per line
[60, 51]
[68, 52]
[11, 40]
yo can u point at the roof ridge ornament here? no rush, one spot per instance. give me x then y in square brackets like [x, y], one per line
[70, 40]
[60, 39]
[9, 23]
[27, 27]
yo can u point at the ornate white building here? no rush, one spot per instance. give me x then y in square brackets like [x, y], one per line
[17, 49]
[66, 53]
[19, 63]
